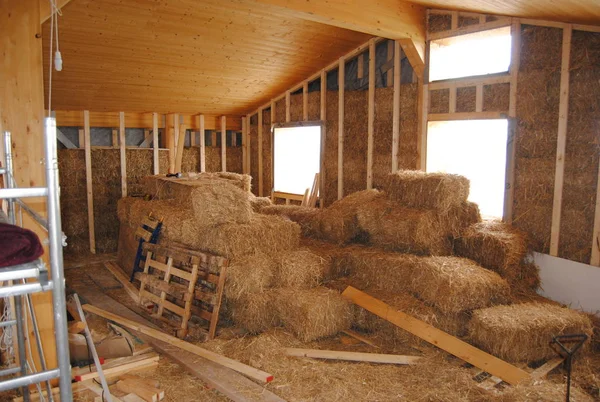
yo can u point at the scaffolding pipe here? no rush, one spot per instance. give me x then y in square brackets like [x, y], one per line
[9, 169]
[56, 261]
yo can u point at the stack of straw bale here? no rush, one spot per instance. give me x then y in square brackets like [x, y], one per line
[523, 332]
[309, 219]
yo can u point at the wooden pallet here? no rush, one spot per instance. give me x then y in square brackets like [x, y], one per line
[185, 283]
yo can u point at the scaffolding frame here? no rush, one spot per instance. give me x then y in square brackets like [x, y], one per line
[34, 277]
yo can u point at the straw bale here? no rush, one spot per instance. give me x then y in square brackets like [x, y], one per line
[240, 180]
[382, 133]
[439, 101]
[235, 159]
[255, 312]
[540, 47]
[333, 257]
[496, 97]
[258, 203]
[190, 160]
[459, 217]
[313, 313]
[330, 162]
[465, 99]
[522, 332]
[465, 21]
[314, 105]
[300, 269]
[249, 275]
[393, 227]
[140, 163]
[106, 180]
[127, 249]
[409, 123]
[439, 22]
[418, 189]
[494, 245]
[253, 134]
[576, 231]
[296, 107]
[355, 141]
[267, 151]
[213, 158]
[451, 284]
[339, 222]
[309, 219]
[263, 234]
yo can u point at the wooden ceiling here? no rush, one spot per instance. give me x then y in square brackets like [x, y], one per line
[575, 11]
[187, 56]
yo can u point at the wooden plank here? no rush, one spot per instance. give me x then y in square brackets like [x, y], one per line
[212, 330]
[352, 356]
[323, 116]
[202, 143]
[176, 290]
[595, 259]
[478, 98]
[561, 142]
[180, 132]
[244, 148]
[452, 100]
[396, 107]
[371, 114]
[223, 143]
[499, 23]
[64, 140]
[131, 290]
[169, 140]
[174, 271]
[361, 338]
[501, 78]
[81, 138]
[251, 372]
[115, 138]
[288, 101]
[454, 20]
[122, 154]
[423, 112]
[124, 368]
[88, 180]
[163, 295]
[341, 89]
[323, 111]
[155, 144]
[148, 394]
[467, 116]
[360, 72]
[260, 154]
[147, 139]
[509, 373]
[305, 101]
[546, 368]
[76, 327]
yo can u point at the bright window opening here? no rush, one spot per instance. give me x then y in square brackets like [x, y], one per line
[297, 158]
[480, 53]
[475, 149]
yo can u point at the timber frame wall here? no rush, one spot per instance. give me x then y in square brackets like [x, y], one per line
[479, 22]
[174, 127]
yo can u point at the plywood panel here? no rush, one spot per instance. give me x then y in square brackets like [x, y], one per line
[215, 56]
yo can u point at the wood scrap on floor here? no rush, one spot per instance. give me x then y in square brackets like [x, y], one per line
[141, 389]
[491, 364]
[116, 367]
[251, 372]
[352, 356]
[76, 327]
[359, 337]
[118, 273]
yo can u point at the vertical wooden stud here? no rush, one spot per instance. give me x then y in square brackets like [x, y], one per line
[454, 23]
[341, 89]
[248, 146]
[563, 112]
[223, 143]
[88, 180]
[272, 156]
[260, 153]
[323, 117]
[361, 66]
[156, 164]
[323, 113]
[115, 138]
[396, 106]
[202, 143]
[170, 139]
[478, 98]
[452, 100]
[122, 144]
[81, 138]
[371, 114]
[512, 114]
[192, 138]
[288, 113]
[180, 132]
[390, 56]
[305, 101]
[423, 111]
[595, 260]
[244, 146]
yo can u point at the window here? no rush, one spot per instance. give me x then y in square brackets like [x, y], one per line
[480, 53]
[296, 159]
[475, 149]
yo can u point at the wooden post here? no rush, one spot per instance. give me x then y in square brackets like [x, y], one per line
[390, 56]
[323, 116]
[81, 139]
[170, 139]
[341, 83]
[454, 23]
[244, 143]
[122, 144]
[305, 101]
[396, 106]
[288, 113]
[371, 114]
[156, 165]
[88, 180]
[260, 153]
[452, 100]
[272, 156]
[115, 139]
[512, 114]
[202, 143]
[180, 131]
[223, 143]
[478, 98]
[423, 112]
[248, 146]
[563, 112]
[360, 60]
[192, 138]
[595, 260]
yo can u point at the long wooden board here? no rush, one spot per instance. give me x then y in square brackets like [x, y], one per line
[352, 356]
[251, 372]
[477, 357]
[131, 290]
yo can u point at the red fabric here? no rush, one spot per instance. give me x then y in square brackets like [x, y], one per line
[18, 245]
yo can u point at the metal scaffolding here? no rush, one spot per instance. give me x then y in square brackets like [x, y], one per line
[20, 281]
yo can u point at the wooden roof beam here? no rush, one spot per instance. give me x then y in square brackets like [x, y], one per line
[46, 12]
[392, 19]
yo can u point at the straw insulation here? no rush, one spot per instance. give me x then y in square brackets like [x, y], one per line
[582, 149]
[382, 133]
[309, 219]
[409, 132]
[235, 159]
[140, 163]
[496, 97]
[331, 149]
[314, 105]
[355, 141]
[538, 89]
[267, 153]
[465, 99]
[106, 182]
[253, 137]
[190, 161]
[73, 200]
[296, 107]
[213, 158]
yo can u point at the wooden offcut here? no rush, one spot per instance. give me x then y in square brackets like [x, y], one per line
[352, 356]
[507, 372]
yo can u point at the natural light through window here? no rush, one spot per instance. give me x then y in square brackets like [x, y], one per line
[297, 157]
[475, 149]
[479, 53]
